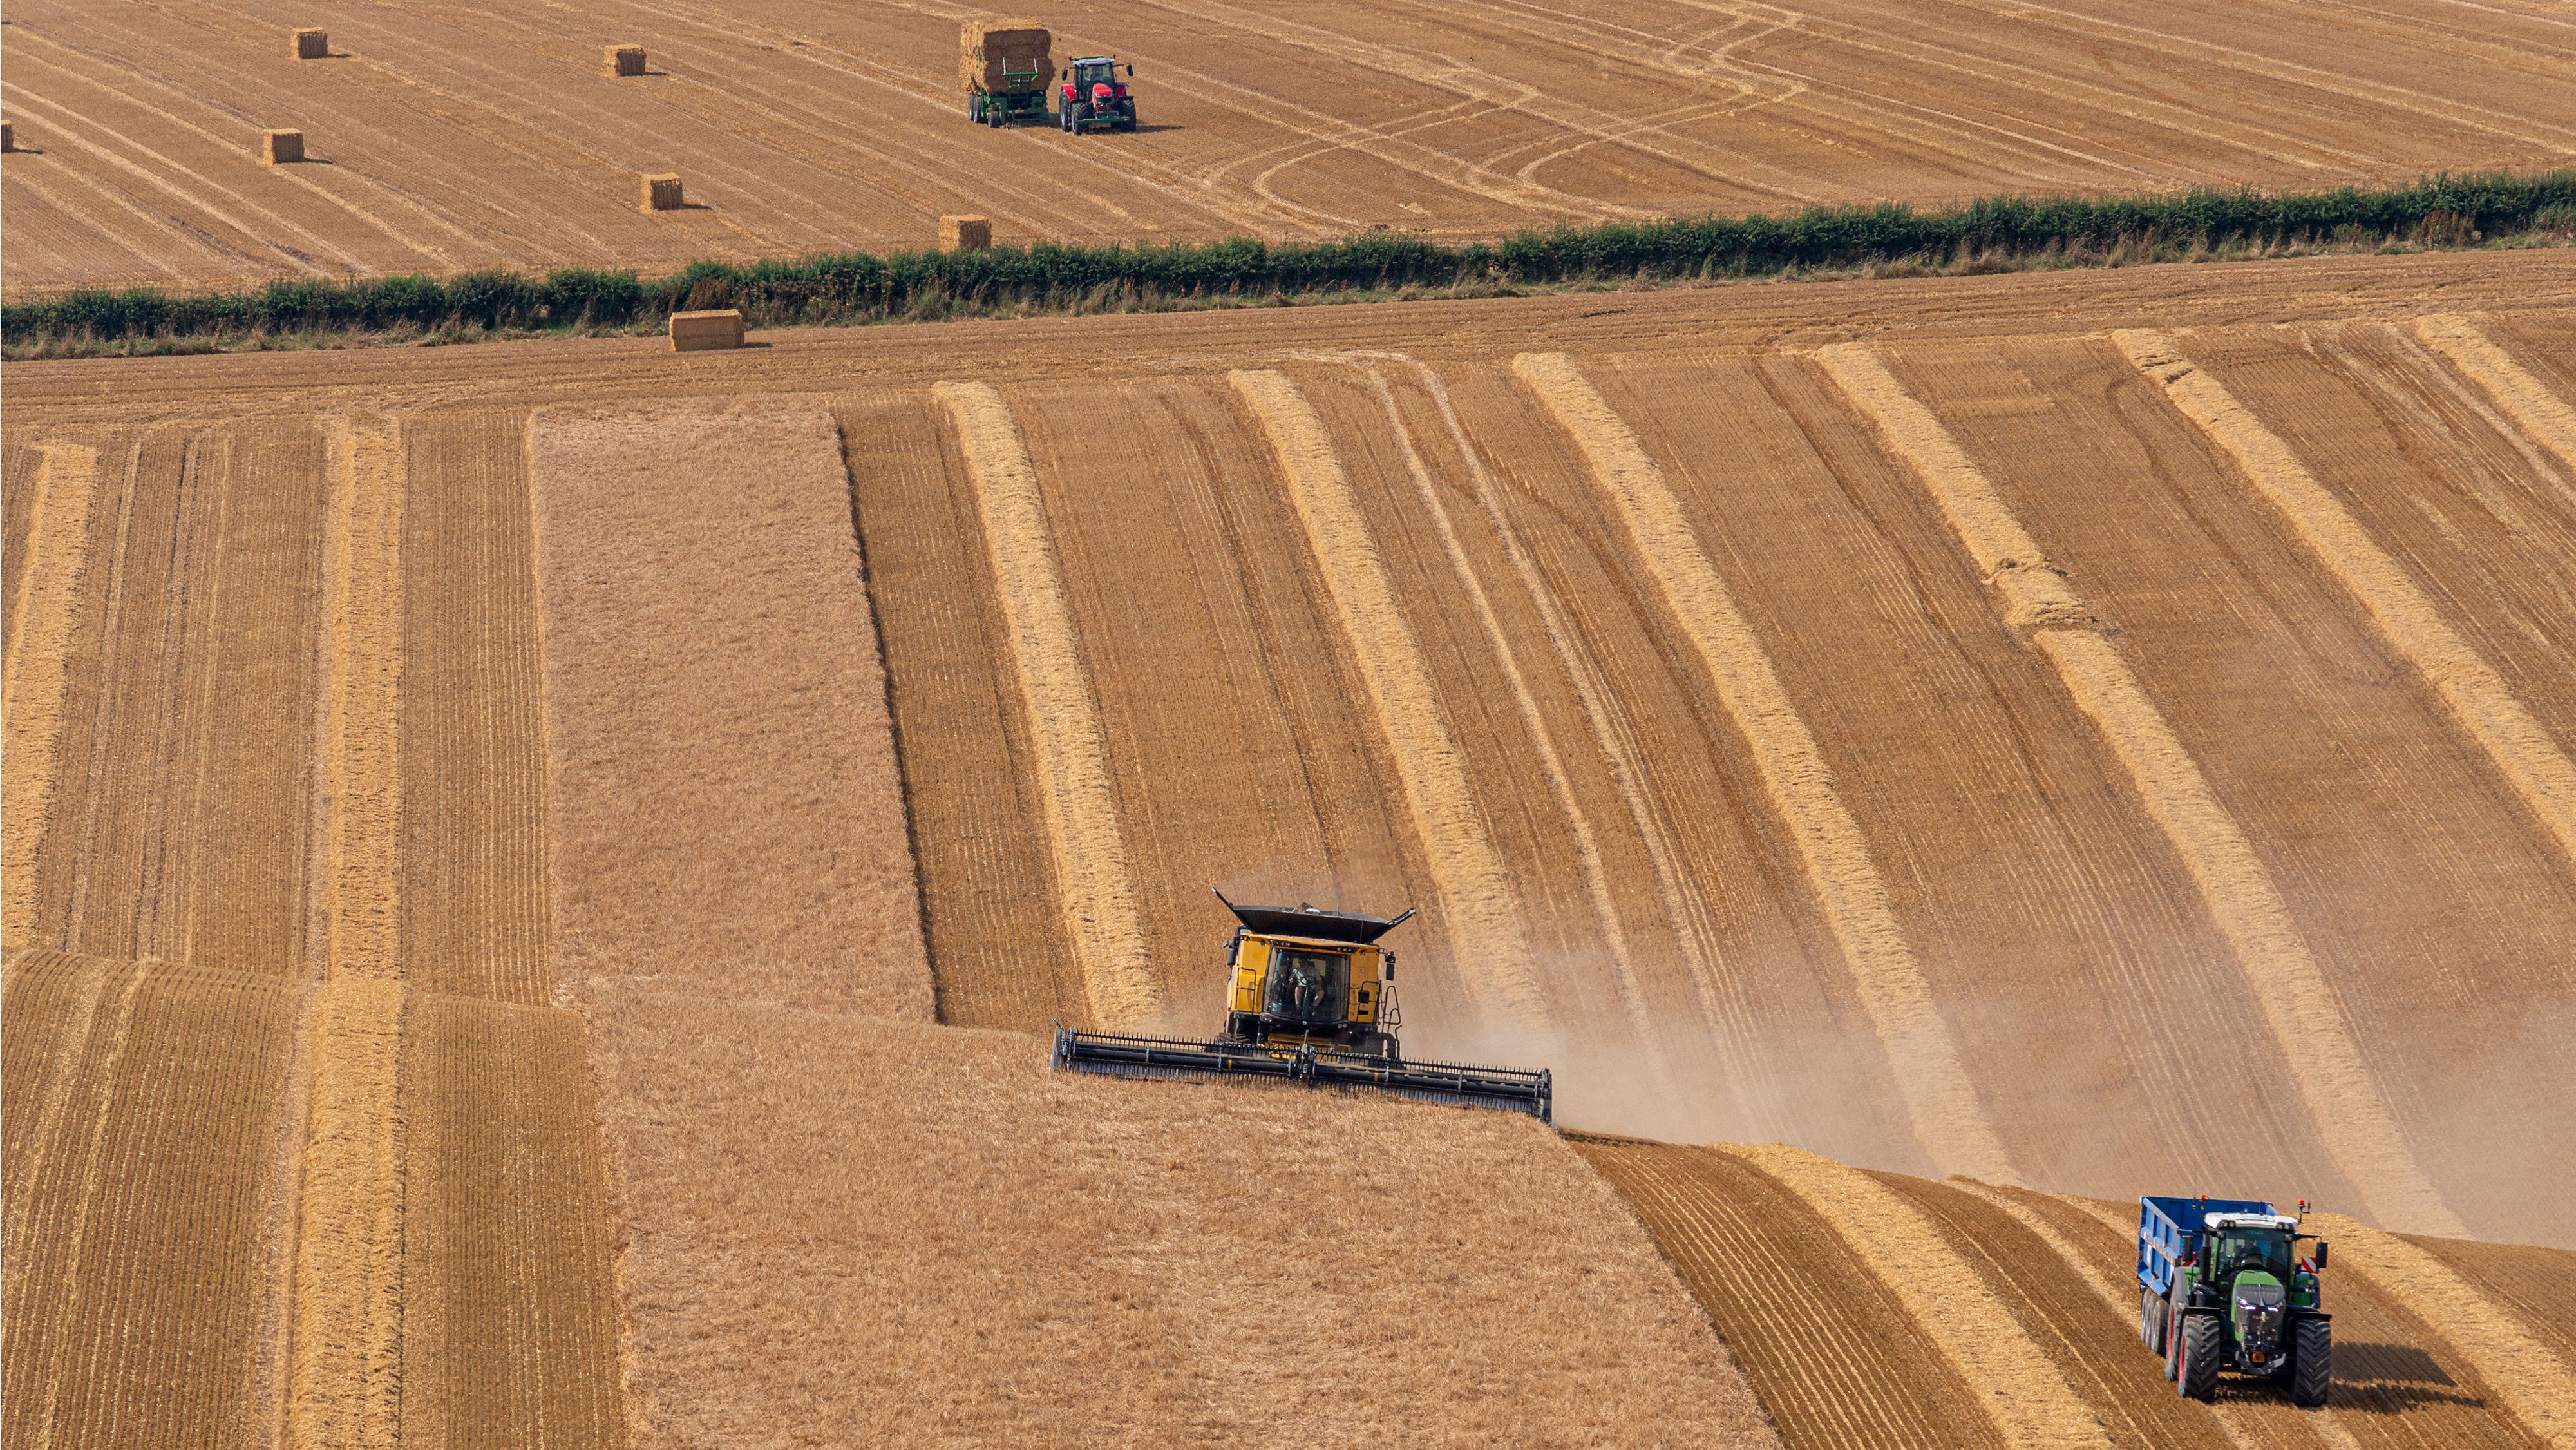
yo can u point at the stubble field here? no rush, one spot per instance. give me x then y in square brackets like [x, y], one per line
[1999, 738]
[448, 140]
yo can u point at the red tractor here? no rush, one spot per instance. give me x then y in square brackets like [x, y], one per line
[1092, 96]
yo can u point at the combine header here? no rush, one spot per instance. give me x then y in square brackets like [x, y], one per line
[1312, 1001]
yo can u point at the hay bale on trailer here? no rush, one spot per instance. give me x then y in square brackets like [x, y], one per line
[1004, 57]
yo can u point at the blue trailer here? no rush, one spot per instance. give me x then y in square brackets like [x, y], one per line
[2222, 1286]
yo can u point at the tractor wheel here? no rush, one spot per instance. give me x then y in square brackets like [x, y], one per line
[1127, 116]
[1081, 113]
[2311, 1363]
[2202, 1344]
[2151, 1320]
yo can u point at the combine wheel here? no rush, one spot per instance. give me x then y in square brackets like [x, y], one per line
[2311, 1363]
[2202, 1345]
[2151, 1320]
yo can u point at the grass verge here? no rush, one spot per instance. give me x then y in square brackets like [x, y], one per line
[1994, 234]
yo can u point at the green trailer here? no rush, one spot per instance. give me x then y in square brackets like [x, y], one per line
[1004, 65]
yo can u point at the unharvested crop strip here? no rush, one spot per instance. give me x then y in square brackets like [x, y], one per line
[1941, 1102]
[1097, 897]
[2542, 414]
[1482, 912]
[32, 671]
[2357, 1125]
[2025, 1395]
[363, 779]
[1605, 910]
[2523, 752]
[2535, 1384]
[346, 1335]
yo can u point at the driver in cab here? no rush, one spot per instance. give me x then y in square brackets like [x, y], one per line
[1301, 989]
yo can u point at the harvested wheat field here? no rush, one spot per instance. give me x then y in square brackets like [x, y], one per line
[1967, 1314]
[300, 1116]
[445, 140]
[625, 819]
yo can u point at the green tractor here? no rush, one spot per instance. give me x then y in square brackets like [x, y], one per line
[2223, 1288]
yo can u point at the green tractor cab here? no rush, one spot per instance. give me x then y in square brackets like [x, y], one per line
[2224, 1289]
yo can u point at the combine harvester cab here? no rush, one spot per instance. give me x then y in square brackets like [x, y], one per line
[1094, 96]
[1311, 998]
[1003, 64]
[2221, 1286]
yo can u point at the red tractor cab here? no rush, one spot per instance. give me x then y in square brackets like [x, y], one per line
[1093, 96]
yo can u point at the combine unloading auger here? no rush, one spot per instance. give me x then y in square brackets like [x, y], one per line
[1312, 1001]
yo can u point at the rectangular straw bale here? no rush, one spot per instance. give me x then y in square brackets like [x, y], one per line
[279, 148]
[706, 331]
[8, 136]
[312, 45]
[988, 49]
[623, 60]
[965, 233]
[660, 192]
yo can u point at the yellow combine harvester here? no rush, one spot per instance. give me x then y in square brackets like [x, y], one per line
[1312, 1000]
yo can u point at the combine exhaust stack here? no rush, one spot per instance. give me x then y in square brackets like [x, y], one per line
[1310, 998]
[1508, 1088]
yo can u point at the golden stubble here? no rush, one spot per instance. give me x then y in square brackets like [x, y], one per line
[2025, 1395]
[1096, 895]
[2353, 1117]
[2523, 752]
[2546, 417]
[1941, 1102]
[2535, 1384]
[345, 1346]
[1478, 905]
[32, 672]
